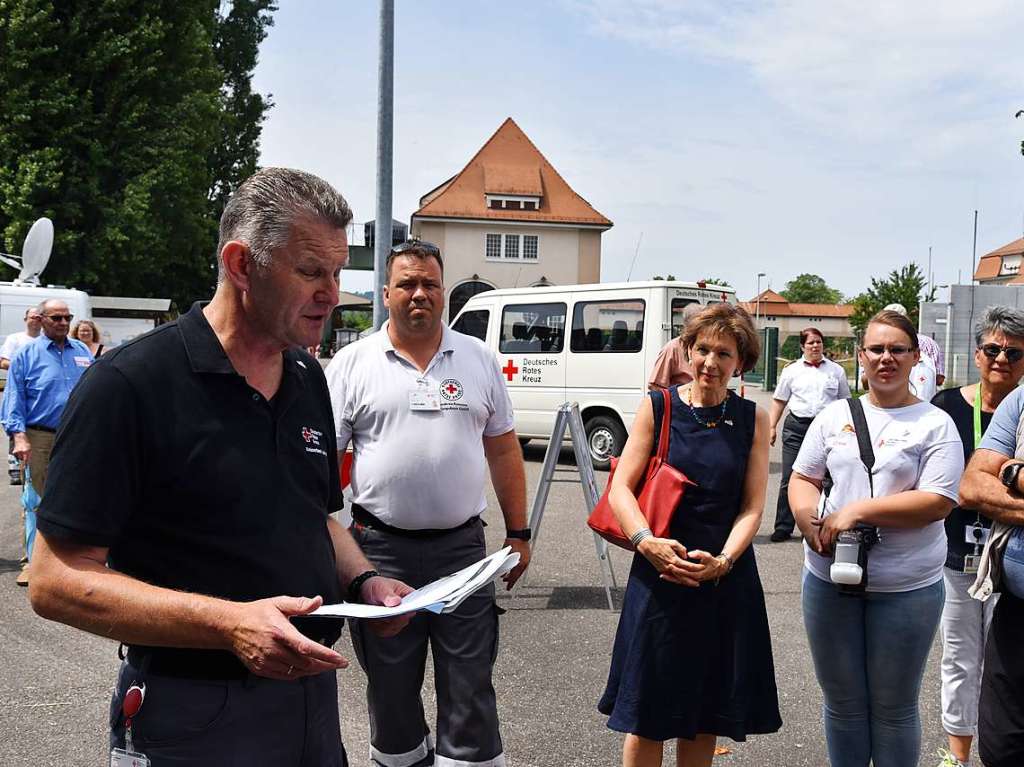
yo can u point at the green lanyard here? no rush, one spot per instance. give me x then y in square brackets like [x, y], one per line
[977, 417]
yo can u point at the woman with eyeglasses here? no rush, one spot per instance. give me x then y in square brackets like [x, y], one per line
[88, 333]
[999, 357]
[870, 647]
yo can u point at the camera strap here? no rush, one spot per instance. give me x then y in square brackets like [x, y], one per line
[860, 425]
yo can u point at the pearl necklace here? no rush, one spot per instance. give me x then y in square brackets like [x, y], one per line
[712, 424]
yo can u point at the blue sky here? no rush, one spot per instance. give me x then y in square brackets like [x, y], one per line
[727, 138]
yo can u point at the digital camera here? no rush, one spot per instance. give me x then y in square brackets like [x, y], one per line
[849, 569]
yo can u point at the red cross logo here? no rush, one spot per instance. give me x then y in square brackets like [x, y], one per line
[451, 388]
[307, 434]
[510, 370]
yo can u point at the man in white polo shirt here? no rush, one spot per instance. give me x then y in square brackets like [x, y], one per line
[427, 412]
[806, 386]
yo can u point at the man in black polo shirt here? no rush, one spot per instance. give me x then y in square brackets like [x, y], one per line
[217, 433]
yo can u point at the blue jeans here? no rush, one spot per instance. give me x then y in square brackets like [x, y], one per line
[30, 502]
[869, 656]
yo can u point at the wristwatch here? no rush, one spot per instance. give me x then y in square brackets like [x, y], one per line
[523, 535]
[1008, 475]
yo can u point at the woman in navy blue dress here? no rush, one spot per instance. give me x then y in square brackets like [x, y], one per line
[692, 657]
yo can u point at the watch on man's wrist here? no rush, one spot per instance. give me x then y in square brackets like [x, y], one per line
[1008, 476]
[523, 535]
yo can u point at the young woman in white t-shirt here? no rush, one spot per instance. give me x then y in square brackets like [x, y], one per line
[870, 649]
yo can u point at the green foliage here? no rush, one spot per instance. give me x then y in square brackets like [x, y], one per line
[905, 286]
[122, 126]
[354, 319]
[716, 281]
[810, 289]
[669, 277]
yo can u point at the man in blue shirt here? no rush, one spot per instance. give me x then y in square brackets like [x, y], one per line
[41, 376]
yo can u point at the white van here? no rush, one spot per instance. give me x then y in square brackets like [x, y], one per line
[615, 334]
[15, 299]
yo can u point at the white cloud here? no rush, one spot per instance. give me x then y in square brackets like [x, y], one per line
[866, 70]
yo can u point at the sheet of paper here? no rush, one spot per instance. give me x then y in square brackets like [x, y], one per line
[435, 597]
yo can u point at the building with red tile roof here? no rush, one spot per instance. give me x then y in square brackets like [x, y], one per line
[773, 310]
[509, 219]
[1002, 265]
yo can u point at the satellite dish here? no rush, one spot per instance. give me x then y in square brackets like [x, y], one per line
[35, 253]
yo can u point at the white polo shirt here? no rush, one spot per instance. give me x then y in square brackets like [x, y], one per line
[425, 467]
[808, 389]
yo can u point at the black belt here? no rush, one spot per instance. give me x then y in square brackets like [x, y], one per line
[806, 420]
[37, 427]
[366, 519]
[190, 663]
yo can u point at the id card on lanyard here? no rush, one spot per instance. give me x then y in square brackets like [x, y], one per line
[977, 533]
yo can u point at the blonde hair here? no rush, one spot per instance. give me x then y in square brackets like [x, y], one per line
[95, 330]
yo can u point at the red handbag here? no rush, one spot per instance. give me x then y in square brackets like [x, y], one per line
[660, 490]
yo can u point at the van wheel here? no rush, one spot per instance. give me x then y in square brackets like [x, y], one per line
[605, 438]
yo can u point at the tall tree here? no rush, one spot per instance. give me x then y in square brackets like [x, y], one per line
[810, 289]
[905, 287]
[114, 109]
[241, 26]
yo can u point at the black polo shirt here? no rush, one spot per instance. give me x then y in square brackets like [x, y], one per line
[191, 478]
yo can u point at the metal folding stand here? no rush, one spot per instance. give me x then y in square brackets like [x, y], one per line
[568, 418]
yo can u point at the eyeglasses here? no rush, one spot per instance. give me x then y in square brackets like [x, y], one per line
[1013, 353]
[876, 352]
[59, 317]
[418, 246]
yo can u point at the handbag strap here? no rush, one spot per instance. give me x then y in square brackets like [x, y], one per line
[860, 424]
[666, 418]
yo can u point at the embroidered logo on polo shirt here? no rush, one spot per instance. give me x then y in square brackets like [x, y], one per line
[312, 440]
[451, 389]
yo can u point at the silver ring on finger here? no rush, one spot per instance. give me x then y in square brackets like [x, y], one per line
[290, 670]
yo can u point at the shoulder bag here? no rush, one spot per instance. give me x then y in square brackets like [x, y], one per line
[659, 492]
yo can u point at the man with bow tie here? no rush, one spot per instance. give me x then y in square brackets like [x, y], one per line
[806, 387]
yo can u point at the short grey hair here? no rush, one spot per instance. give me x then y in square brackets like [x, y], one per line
[262, 210]
[41, 306]
[999, 319]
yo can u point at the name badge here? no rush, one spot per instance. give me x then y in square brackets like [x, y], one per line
[424, 397]
[82, 362]
[971, 563]
[121, 758]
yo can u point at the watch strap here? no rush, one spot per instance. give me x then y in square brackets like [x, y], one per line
[523, 535]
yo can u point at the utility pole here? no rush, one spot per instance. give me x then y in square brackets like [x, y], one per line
[385, 140]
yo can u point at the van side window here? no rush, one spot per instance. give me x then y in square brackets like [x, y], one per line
[608, 326]
[678, 304]
[473, 323]
[532, 329]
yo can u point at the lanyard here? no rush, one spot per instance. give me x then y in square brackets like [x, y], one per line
[977, 417]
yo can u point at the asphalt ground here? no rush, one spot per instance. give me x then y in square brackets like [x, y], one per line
[556, 640]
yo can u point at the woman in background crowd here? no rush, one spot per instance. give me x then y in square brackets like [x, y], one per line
[999, 357]
[692, 657]
[806, 386]
[870, 649]
[88, 333]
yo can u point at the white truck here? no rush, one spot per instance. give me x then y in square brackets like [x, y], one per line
[591, 344]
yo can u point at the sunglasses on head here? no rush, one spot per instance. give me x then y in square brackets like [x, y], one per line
[417, 246]
[1013, 353]
[59, 317]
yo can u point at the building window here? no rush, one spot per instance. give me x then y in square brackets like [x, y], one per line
[529, 205]
[497, 204]
[530, 247]
[607, 326]
[532, 328]
[512, 247]
[512, 204]
[493, 246]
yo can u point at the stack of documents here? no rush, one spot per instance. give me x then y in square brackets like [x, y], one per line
[441, 596]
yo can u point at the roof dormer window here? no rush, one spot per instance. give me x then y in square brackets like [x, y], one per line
[512, 202]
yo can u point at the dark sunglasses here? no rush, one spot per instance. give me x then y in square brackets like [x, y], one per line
[417, 246]
[1013, 353]
[59, 317]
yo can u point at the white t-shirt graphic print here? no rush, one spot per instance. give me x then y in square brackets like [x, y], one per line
[916, 448]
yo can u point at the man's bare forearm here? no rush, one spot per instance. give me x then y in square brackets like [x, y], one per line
[505, 460]
[78, 589]
[980, 491]
[350, 559]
